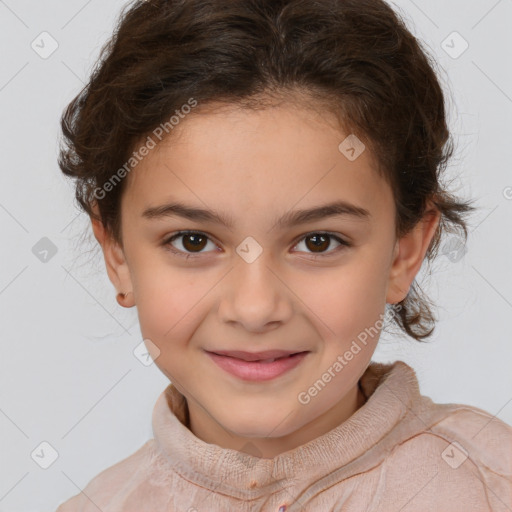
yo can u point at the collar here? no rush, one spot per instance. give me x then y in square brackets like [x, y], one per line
[390, 389]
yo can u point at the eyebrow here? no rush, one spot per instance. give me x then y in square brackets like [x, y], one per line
[335, 209]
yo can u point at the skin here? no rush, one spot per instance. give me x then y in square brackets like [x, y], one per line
[255, 166]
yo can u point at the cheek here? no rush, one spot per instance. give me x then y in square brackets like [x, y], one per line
[344, 302]
[167, 302]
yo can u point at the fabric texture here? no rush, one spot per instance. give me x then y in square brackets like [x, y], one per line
[400, 451]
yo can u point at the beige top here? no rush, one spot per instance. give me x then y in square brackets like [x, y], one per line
[399, 452]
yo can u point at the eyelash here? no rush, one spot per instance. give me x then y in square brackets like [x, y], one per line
[168, 246]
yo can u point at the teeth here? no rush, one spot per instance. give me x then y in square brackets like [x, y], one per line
[267, 361]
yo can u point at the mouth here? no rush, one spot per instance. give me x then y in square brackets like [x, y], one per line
[258, 369]
[268, 356]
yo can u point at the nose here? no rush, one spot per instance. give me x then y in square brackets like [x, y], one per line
[255, 296]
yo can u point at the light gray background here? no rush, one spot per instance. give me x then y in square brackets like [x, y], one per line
[68, 375]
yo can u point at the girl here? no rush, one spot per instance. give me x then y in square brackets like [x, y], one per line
[264, 179]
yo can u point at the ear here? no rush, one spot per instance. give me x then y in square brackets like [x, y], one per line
[115, 261]
[410, 251]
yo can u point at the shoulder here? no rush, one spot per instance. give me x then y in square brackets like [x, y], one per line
[486, 438]
[104, 487]
[460, 461]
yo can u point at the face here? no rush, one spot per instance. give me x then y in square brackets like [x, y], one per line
[263, 278]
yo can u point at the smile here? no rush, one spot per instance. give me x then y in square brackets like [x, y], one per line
[258, 370]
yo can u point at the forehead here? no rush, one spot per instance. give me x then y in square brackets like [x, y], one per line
[258, 161]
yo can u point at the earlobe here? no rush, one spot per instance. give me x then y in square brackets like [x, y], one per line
[409, 254]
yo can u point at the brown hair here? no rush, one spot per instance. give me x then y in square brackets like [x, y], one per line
[354, 57]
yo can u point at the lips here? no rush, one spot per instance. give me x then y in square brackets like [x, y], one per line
[266, 356]
[258, 370]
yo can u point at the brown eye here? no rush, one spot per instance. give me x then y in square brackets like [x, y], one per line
[319, 243]
[194, 241]
[191, 243]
